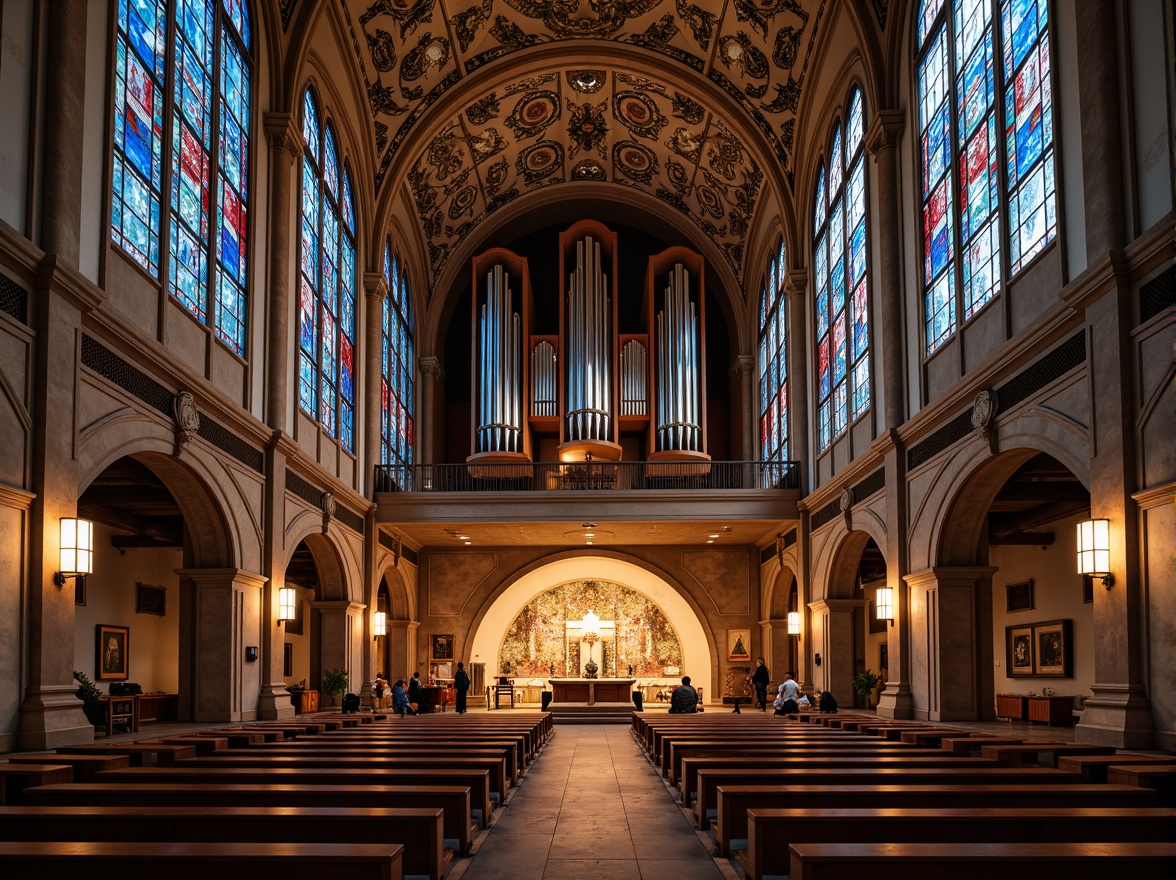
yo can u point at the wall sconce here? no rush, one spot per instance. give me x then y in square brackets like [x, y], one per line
[816, 659]
[793, 623]
[1094, 550]
[77, 549]
[884, 603]
[287, 604]
[380, 627]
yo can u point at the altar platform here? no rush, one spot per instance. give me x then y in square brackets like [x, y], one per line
[592, 700]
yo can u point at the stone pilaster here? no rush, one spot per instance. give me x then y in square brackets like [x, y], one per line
[285, 149]
[834, 640]
[895, 700]
[375, 288]
[798, 391]
[342, 628]
[430, 415]
[882, 141]
[273, 700]
[743, 373]
[65, 91]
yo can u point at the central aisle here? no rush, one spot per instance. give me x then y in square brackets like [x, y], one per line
[592, 808]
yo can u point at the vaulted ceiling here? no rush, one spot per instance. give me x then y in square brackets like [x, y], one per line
[541, 102]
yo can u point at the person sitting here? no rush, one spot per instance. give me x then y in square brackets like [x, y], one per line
[684, 699]
[414, 690]
[786, 696]
[400, 704]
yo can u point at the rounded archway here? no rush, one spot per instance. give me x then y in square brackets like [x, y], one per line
[498, 616]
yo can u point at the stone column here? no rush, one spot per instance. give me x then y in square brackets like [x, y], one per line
[342, 628]
[50, 714]
[882, 141]
[402, 648]
[285, 149]
[274, 700]
[1119, 712]
[227, 616]
[1102, 127]
[430, 413]
[895, 700]
[798, 391]
[835, 641]
[375, 288]
[743, 373]
[953, 605]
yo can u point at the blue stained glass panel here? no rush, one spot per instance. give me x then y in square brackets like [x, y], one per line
[839, 348]
[239, 16]
[927, 13]
[1024, 30]
[331, 164]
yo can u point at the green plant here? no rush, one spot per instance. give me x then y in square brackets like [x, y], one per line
[334, 682]
[865, 682]
[91, 698]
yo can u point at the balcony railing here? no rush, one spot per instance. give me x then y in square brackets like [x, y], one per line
[545, 476]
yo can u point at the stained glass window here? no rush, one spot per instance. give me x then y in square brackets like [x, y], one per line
[397, 386]
[189, 148]
[841, 293]
[773, 361]
[968, 219]
[327, 276]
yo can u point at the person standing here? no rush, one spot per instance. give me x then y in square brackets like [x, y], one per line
[684, 699]
[760, 679]
[461, 684]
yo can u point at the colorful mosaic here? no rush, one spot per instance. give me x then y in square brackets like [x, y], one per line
[773, 361]
[396, 385]
[537, 641]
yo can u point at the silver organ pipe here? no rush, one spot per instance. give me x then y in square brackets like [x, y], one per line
[677, 402]
[589, 348]
[634, 399]
[500, 376]
[543, 398]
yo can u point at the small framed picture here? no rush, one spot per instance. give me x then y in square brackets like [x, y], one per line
[1019, 650]
[441, 646]
[1019, 597]
[738, 644]
[113, 644]
[1052, 650]
[150, 600]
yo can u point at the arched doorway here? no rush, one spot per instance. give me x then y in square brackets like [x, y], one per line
[497, 618]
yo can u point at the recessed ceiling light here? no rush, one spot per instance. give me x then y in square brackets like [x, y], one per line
[590, 534]
[710, 542]
[469, 542]
[587, 542]
[712, 536]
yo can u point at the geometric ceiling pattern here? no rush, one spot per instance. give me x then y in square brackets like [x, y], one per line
[411, 52]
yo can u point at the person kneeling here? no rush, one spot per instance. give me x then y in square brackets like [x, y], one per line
[684, 698]
[400, 704]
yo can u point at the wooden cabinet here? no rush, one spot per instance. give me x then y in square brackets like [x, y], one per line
[158, 707]
[1052, 710]
[1012, 706]
[304, 701]
[122, 714]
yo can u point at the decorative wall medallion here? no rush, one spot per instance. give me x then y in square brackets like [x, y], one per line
[845, 505]
[382, 48]
[636, 161]
[588, 169]
[187, 419]
[587, 128]
[639, 114]
[327, 503]
[539, 161]
[709, 201]
[533, 113]
[462, 202]
[984, 409]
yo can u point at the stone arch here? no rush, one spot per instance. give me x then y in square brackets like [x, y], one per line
[335, 581]
[698, 644]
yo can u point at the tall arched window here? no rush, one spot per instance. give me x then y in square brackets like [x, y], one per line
[839, 265]
[326, 339]
[773, 363]
[397, 387]
[188, 149]
[985, 98]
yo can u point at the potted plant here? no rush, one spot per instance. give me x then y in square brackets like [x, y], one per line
[91, 699]
[334, 684]
[864, 684]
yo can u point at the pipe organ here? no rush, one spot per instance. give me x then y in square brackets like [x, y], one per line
[588, 385]
[502, 312]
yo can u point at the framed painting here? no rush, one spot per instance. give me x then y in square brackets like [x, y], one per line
[1019, 650]
[738, 644]
[113, 644]
[441, 646]
[1052, 649]
[150, 600]
[1019, 597]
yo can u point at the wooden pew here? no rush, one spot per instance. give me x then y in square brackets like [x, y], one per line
[711, 781]
[16, 777]
[199, 861]
[1017, 755]
[85, 767]
[735, 800]
[1159, 777]
[672, 749]
[971, 745]
[386, 752]
[139, 752]
[982, 861]
[454, 800]
[1094, 767]
[770, 832]
[418, 830]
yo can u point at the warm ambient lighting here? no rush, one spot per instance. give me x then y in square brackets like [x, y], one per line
[380, 628]
[884, 602]
[77, 549]
[287, 604]
[793, 623]
[1094, 550]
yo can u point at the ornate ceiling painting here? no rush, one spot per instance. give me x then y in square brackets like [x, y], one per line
[571, 123]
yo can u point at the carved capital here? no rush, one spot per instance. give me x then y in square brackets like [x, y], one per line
[797, 282]
[375, 285]
[744, 366]
[885, 131]
[430, 368]
[282, 134]
[187, 418]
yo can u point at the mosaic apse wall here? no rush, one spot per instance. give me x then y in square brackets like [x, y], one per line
[539, 637]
